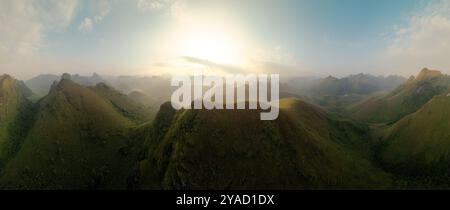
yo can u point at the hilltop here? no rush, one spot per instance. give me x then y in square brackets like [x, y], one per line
[74, 143]
[130, 108]
[304, 148]
[404, 100]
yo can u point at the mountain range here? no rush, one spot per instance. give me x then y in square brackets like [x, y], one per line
[77, 132]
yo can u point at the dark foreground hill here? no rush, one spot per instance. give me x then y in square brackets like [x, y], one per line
[304, 148]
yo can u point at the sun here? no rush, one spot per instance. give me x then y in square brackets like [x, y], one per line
[213, 42]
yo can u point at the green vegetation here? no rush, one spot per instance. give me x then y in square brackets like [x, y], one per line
[417, 147]
[74, 143]
[124, 104]
[15, 114]
[404, 100]
[80, 136]
[233, 149]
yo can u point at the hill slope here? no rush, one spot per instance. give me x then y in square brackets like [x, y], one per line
[74, 143]
[233, 149]
[125, 104]
[15, 112]
[404, 100]
[418, 146]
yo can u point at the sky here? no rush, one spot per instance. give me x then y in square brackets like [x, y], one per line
[289, 37]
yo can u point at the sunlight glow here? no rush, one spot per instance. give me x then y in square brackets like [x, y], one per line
[212, 42]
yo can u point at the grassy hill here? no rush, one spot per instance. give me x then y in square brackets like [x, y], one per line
[79, 137]
[417, 147]
[125, 104]
[75, 142]
[15, 111]
[404, 100]
[304, 148]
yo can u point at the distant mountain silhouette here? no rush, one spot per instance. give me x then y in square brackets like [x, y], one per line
[338, 94]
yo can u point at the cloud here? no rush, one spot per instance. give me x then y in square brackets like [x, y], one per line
[101, 9]
[56, 14]
[215, 66]
[423, 42]
[277, 54]
[154, 5]
[175, 8]
[86, 25]
[24, 25]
